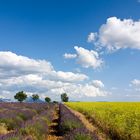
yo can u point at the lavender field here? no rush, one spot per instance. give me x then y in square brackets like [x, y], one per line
[25, 120]
[41, 121]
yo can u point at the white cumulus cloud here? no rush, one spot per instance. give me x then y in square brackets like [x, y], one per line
[67, 76]
[12, 61]
[98, 83]
[118, 34]
[12, 64]
[76, 91]
[88, 58]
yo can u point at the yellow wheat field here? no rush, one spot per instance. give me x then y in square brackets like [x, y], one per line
[120, 120]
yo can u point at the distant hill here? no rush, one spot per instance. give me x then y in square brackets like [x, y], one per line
[30, 100]
[5, 100]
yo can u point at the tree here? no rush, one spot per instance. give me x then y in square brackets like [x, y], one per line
[35, 97]
[64, 97]
[20, 96]
[47, 99]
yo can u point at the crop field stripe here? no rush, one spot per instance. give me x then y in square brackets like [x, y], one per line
[72, 126]
[89, 125]
[70, 121]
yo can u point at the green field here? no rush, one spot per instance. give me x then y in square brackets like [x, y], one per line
[120, 120]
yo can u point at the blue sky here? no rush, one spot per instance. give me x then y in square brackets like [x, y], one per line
[47, 30]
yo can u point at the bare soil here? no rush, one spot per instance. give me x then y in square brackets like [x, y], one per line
[54, 133]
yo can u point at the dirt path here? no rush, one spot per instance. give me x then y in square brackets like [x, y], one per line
[100, 135]
[54, 127]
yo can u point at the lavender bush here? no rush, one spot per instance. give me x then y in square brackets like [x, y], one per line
[72, 127]
[33, 124]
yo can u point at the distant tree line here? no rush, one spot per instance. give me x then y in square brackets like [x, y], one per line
[22, 96]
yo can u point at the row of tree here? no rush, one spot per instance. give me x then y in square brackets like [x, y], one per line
[21, 96]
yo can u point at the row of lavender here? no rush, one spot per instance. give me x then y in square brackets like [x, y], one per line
[25, 121]
[72, 128]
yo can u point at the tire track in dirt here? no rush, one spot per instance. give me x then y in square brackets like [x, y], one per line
[54, 133]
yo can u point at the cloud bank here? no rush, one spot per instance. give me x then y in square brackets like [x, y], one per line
[39, 76]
